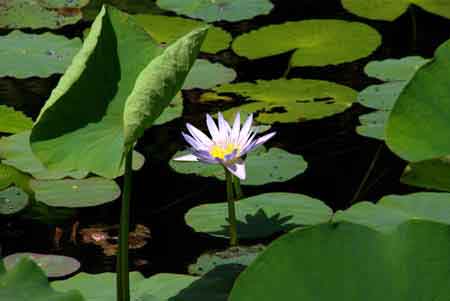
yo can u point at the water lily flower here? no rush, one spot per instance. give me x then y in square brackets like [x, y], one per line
[227, 144]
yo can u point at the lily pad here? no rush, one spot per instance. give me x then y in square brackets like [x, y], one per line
[127, 80]
[10, 175]
[26, 55]
[348, 261]
[12, 200]
[260, 216]
[262, 166]
[211, 11]
[13, 121]
[396, 73]
[206, 75]
[316, 42]
[240, 255]
[27, 279]
[75, 193]
[91, 10]
[291, 100]
[38, 14]
[52, 265]
[430, 174]
[390, 10]
[173, 111]
[166, 30]
[214, 286]
[420, 120]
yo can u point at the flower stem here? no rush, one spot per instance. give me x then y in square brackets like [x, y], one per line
[237, 188]
[123, 285]
[231, 209]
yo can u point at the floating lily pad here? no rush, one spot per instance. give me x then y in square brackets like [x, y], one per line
[127, 81]
[396, 73]
[420, 120]
[166, 29]
[13, 121]
[260, 216]
[206, 75]
[291, 100]
[430, 174]
[26, 280]
[240, 255]
[173, 111]
[26, 55]
[212, 10]
[392, 9]
[10, 175]
[38, 14]
[317, 42]
[75, 193]
[213, 97]
[160, 287]
[348, 261]
[91, 10]
[52, 265]
[262, 166]
[12, 200]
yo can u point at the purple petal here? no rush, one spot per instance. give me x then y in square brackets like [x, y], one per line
[224, 128]
[264, 138]
[186, 158]
[194, 143]
[205, 156]
[248, 148]
[199, 135]
[236, 127]
[230, 156]
[245, 131]
[212, 128]
[237, 169]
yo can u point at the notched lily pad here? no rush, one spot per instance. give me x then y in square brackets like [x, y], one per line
[13, 121]
[12, 200]
[292, 100]
[52, 265]
[70, 193]
[316, 42]
[216, 10]
[40, 14]
[260, 216]
[240, 255]
[263, 166]
[166, 30]
[26, 55]
[391, 10]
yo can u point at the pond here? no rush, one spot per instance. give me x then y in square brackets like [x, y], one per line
[324, 77]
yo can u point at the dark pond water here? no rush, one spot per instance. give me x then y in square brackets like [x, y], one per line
[338, 158]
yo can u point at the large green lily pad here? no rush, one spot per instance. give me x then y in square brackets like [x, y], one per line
[37, 13]
[292, 100]
[260, 216]
[216, 10]
[348, 261]
[390, 10]
[75, 193]
[166, 29]
[395, 73]
[13, 121]
[214, 286]
[430, 174]
[420, 121]
[316, 42]
[12, 200]
[262, 166]
[26, 55]
[52, 265]
[127, 80]
[206, 75]
[26, 281]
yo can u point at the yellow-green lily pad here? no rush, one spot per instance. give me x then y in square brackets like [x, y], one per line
[13, 121]
[39, 14]
[26, 55]
[166, 29]
[216, 10]
[291, 100]
[390, 10]
[316, 42]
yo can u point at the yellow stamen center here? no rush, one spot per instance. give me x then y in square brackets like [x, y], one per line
[220, 152]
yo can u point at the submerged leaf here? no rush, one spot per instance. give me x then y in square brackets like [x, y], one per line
[211, 10]
[317, 42]
[26, 55]
[12, 200]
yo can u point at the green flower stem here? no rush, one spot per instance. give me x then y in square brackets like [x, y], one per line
[231, 209]
[123, 281]
[237, 188]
